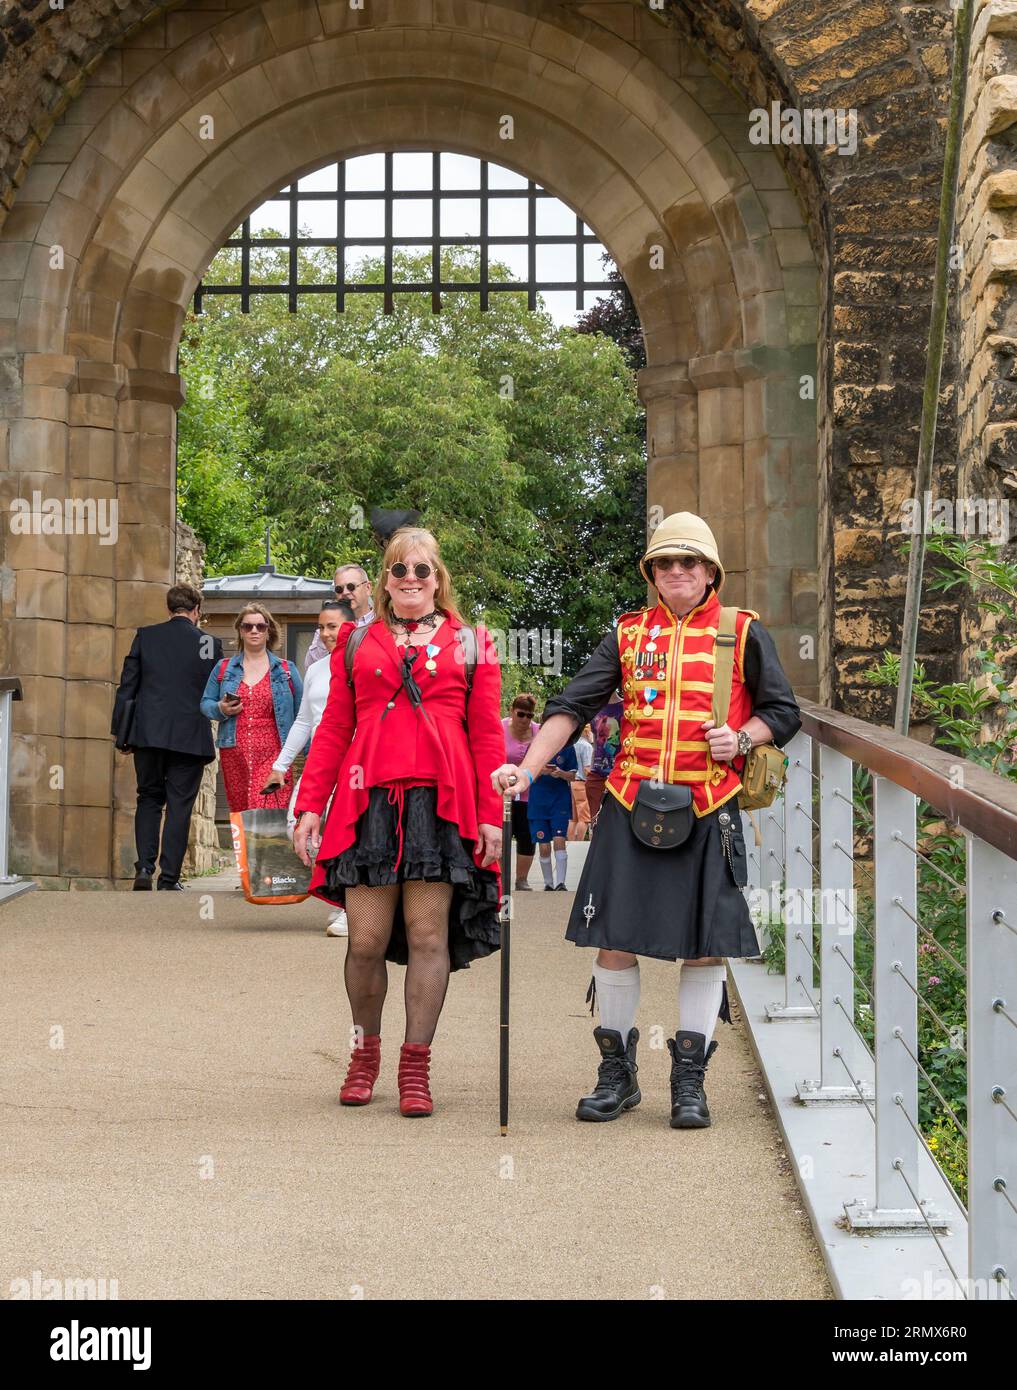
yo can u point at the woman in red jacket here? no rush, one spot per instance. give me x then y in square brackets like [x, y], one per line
[412, 845]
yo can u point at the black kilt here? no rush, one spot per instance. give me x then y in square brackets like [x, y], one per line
[672, 904]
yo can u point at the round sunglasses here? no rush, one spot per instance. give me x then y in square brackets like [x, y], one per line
[350, 587]
[400, 571]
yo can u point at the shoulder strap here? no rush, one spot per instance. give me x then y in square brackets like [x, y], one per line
[468, 641]
[355, 638]
[222, 668]
[723, 668]
[286, 668]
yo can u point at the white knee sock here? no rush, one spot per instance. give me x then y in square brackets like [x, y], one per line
[546, 870]
[617, 998]
[700, 990]
[561, 859]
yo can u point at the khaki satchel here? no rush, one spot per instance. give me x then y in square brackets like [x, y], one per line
[766, 766]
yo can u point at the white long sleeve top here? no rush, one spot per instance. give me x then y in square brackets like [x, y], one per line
[312, 707]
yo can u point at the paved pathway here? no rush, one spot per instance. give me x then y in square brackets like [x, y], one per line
[186, 1140]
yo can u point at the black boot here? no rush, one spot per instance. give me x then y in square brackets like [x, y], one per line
[689, 1060]
[616, 1089]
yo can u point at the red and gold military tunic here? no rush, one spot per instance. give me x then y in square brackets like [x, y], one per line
[667, 668]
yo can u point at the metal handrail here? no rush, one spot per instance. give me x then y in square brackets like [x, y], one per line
[809, 851]
[984, 804]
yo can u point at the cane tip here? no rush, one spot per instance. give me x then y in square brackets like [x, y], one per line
[504, 1130]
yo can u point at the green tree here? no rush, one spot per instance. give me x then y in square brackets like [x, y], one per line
[521, 443]
[425, 433]
[215, 491]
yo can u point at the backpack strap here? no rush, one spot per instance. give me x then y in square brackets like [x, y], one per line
[468, 641]
[355, 638]
[222, 668]
[286, 668]
[723, 667]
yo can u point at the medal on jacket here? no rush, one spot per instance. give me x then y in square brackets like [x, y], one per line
[651, 645]
[432, 651]
[649, 695]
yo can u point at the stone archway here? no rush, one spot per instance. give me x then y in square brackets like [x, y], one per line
[138, 188]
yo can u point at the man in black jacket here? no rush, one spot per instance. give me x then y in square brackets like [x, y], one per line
[164, 674]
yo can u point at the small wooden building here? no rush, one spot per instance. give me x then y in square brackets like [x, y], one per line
[294, 603]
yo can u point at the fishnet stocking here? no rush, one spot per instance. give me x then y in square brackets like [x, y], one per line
[425, 911]
[369, 912]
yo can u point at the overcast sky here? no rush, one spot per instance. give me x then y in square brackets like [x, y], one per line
[459, 216]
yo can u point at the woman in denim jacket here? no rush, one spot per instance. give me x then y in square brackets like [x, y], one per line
[254, 696]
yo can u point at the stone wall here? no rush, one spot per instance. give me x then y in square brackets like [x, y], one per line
[873, 220]
[987, 234]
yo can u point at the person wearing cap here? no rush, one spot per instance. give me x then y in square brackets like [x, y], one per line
[683, 901]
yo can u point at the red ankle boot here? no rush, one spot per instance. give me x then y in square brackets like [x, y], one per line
[362, 1073]
[414, 1092]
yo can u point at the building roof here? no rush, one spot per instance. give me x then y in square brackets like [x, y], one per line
[266, 584]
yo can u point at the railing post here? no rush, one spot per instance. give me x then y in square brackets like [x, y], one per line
[6, 727]
[992, 1071]
[839, 1047]
[771, 863]
[798, 883]
[896, 1020]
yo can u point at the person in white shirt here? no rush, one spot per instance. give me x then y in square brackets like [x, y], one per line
[312, 706]
[352, 586]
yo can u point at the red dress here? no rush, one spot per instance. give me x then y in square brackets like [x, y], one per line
[247, 766]
[371, 736]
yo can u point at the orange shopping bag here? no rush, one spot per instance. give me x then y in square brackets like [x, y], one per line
[269, 870]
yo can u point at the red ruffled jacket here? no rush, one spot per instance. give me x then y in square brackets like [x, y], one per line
[361, 743]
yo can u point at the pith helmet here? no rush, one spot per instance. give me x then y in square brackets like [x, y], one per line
[682, 533]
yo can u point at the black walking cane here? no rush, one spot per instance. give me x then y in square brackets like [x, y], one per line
[506, 932]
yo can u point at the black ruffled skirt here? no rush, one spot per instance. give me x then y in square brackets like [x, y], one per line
[433, 850]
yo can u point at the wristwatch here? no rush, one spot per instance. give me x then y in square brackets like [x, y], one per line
[745, 744]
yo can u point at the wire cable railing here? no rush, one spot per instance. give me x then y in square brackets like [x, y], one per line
[934, 1075]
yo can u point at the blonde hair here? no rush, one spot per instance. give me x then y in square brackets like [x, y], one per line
[402, 543]
[273, 626]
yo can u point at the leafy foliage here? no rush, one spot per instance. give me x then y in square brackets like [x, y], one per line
[520, 443]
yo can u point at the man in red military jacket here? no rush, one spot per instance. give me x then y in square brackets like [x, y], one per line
[683, 900]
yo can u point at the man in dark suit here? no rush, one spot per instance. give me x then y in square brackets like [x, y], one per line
[165, 674]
